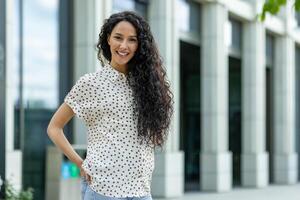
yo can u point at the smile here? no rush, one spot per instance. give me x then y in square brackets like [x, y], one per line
[122, 54]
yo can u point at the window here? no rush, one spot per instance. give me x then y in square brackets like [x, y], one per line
[40, 55]
[234, 40]
[189, 19]
[139, 6]
[15, 71]
[269, 102]
[269, 50]
[190, 131]
[39, 74]
[298, 18]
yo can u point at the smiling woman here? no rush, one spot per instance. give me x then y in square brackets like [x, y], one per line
[127, 107]
[123, 44]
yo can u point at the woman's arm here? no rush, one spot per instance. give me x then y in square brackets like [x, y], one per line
[55, 132]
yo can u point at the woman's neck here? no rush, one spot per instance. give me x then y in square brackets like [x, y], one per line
[121, 69]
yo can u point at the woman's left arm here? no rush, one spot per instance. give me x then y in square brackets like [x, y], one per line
[55, 132]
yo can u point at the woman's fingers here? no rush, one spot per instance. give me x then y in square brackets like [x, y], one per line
[88, 178]
[82, 173]
[85, 175]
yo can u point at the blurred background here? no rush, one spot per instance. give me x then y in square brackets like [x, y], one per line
[236, 85]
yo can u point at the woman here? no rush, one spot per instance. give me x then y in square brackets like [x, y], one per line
[126, 106]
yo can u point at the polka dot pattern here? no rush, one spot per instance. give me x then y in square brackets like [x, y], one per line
[119, 165]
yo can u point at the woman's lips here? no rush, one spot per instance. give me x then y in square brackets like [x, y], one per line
[122, 54]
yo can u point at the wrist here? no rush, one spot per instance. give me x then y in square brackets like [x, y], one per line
[79, 163]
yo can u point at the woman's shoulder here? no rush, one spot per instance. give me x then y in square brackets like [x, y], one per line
[91, 76]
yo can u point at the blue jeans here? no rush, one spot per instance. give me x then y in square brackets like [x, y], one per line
[88, 194]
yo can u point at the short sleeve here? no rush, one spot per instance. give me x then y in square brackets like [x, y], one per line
[78, 98]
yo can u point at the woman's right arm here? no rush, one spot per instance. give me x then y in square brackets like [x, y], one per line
[55, 132]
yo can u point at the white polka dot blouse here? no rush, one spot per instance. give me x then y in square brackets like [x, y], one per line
[119, 165]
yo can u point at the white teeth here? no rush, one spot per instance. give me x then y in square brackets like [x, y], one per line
[122, 54]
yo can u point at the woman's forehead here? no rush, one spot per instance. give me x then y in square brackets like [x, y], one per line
[124, 27]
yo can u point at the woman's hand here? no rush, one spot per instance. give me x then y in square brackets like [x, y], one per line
[85, 175]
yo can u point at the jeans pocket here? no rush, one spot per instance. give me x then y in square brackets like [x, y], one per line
[83, 185]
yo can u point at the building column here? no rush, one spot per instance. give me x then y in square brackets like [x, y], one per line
[13, 156]
[216, 160]
[88, 20]
[285, 156]
[168, 176]
[254, 156]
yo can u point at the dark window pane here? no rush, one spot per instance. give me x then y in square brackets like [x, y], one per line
[190, 131]
[234, 116]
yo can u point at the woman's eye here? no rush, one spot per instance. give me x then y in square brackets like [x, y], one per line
[117, 37]
[132, 40]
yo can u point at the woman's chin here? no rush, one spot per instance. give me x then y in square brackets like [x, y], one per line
[123, 62]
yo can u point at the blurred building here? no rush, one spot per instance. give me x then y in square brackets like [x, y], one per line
[236, 84]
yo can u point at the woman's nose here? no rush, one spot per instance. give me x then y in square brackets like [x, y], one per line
[124, 44]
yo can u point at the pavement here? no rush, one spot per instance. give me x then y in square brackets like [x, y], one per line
[272, 192]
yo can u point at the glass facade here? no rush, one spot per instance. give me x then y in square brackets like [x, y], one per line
[40, 77]
[235, 113]
[40, 55]
[35, 55]
[16, 76]
[235, 97]
[190, 113]
[39, 86]
[269, 53]
[139, 6]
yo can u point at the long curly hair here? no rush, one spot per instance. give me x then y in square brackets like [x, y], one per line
[147, 78]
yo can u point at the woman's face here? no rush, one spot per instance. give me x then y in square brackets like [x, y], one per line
[123, 44]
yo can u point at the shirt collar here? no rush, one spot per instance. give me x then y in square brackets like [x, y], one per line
[112, 74]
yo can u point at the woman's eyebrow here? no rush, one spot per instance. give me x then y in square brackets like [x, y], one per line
[120, 34]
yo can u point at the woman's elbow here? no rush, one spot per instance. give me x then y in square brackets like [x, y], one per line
[51, 130]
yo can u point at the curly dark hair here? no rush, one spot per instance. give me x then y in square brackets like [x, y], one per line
[147, 78]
